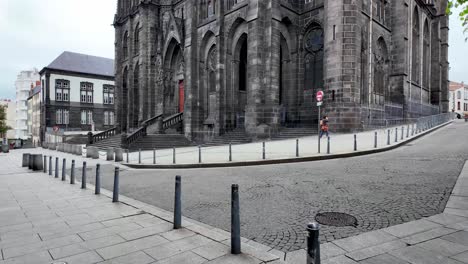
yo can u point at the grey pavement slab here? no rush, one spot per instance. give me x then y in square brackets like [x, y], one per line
[463, 257]
[131, 246]
[134, 258]
[186, 257]
[410, 228]
[364, 240]
[89, 257]
[418, 255]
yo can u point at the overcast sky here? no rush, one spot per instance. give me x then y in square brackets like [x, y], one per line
[33, 33]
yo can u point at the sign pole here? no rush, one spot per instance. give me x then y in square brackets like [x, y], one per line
[318, 125]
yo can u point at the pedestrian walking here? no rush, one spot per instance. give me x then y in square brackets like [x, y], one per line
[324, 126]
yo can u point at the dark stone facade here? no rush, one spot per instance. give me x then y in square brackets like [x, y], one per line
[256, 64]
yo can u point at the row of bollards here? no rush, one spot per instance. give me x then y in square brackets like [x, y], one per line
[410, 130]
[97, 189]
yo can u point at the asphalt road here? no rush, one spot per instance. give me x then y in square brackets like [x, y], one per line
[277, 201]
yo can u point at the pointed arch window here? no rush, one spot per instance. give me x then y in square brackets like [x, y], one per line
[136, 94]
[416, 64]
[125, 45]
[137, 40]
[426, 55]
[380, 72]
[313, 44]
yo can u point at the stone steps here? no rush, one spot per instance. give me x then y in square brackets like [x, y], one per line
[112, 142]
[161, 141]
[233, 137]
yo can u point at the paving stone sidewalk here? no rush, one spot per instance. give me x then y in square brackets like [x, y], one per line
[45, 220]
[439, 239]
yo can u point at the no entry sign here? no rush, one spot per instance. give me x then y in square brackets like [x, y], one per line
[319, 96]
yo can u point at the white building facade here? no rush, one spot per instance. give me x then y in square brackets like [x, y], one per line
[458, 98]
[23, 86]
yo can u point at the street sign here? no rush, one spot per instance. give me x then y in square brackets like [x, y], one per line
[319, 103]
[319, 96]
[56, 129]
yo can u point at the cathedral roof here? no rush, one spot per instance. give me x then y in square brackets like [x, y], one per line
[82, 63]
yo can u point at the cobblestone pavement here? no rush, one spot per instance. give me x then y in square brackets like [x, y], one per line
[277, 201]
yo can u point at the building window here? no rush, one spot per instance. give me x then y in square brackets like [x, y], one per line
[62, 117]
[86, 92]
[208, 8]
[125, 45]
[108, 94]
[459, 96]
[416, 64]
[379, 10]
[62, 90]
[458, 106]
[109, 118]
[86, 117]
[380, 72]
[426, 55]
[313, 44]
[137, 40]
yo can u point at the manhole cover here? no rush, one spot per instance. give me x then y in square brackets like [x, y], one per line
[336, 219]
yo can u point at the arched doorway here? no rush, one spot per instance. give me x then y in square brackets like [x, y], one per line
[174, 86]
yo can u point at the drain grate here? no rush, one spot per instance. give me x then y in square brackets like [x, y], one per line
[336, 219]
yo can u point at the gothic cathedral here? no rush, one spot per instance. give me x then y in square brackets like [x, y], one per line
[256, 65]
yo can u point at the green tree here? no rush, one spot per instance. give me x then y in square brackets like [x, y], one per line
[463, 15]
[3, 126]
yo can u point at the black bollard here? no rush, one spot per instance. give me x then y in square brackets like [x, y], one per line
[297, 147]
[396, 134]
[154, 156]
[328, 145]
[45, 164]
[235, 220]
[388, 137]
[64, 165]
[355, 142]
[128, 156]
[115, 194]
[230, 152]
[199, 155]
[50, 166]
[402, 133]
[139, 156]
[407, 131]
[178, 203]
[375, 139]
[263, 150]
[319, 145]
[83, 176]
[313, 243]
[72, 173]
[173, 156]
[97, 186]
[56, 167]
